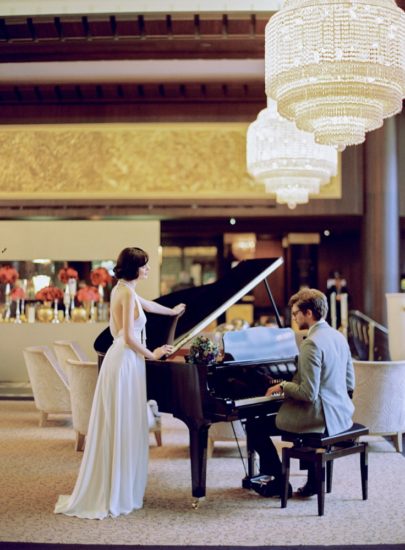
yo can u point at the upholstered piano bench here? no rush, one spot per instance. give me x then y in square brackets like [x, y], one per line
[322, 450]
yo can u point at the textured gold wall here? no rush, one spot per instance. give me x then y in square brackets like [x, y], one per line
[129, 161]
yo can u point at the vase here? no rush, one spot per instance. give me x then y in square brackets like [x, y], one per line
[79, 315]
[45, 312]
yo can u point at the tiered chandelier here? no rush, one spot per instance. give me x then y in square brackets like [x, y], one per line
[287, 160]
[337, 68]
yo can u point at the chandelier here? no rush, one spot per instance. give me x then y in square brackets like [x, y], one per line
[337, 67]
[287, 160]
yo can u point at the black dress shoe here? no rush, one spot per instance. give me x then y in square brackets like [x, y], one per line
[271, 488]
[308, 490]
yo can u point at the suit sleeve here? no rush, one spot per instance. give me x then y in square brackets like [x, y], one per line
[305, 386]
[350, 378]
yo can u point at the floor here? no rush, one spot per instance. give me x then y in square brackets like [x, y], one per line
[23, 391]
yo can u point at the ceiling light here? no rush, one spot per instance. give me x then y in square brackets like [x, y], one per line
[336, 68]
[287, 160]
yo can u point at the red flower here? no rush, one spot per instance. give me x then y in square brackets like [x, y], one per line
[67, 273]
[8, 274]
[18, 293]
[100, 276]
[88, 294]
[49, 294]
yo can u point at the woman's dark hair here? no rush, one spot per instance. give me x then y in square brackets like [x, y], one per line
[128, 263]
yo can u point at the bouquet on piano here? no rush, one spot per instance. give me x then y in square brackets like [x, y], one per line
[202, 350]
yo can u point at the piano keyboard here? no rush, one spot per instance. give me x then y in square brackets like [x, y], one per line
[256, 400]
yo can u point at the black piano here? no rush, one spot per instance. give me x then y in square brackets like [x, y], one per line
[232, 389]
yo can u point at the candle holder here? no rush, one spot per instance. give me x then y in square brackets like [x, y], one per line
[92, 313]
[17, 312]
[55, 312]
[7, 300]
[66, 303]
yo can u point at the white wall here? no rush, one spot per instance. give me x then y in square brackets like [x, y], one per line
[82, 241]
[70, 241]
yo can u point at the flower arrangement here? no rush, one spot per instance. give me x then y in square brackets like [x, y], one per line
[49, 294]
[8, 274]
[100, 276]
[18, 293]
[203, 350]
[88, 294]
[66, 273]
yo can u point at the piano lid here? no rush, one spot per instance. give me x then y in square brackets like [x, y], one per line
[208, 302]
[204, 304]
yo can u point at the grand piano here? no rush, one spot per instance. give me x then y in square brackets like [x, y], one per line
[232, 388]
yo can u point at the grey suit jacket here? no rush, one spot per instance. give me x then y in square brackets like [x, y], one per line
[317, 396]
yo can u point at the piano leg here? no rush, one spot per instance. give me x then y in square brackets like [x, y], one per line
[198, 459]
[251, 456]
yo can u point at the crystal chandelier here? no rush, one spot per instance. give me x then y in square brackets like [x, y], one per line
[287, 160]
[336, 67]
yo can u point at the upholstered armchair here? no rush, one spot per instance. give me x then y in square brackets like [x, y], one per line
[379, 398]
[48, 381]
[82, 380]
[155, 421]
[66, 349]
[225, 431]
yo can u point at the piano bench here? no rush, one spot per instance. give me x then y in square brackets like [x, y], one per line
[321, 450]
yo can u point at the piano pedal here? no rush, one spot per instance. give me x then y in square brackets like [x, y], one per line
[250, 482]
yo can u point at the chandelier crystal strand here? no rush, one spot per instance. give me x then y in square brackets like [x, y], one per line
[287, 160]
[336, 68]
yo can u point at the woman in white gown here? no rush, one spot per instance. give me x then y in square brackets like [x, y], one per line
[113, 473]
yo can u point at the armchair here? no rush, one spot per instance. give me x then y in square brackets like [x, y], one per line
[66, 349]
[83, 380]
[49, 383]
[379, 398]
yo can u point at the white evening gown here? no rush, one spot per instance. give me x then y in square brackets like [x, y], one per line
[113, 473]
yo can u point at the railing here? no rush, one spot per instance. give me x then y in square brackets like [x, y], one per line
[368, 339]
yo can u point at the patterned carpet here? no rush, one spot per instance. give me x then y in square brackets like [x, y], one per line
[39, 463]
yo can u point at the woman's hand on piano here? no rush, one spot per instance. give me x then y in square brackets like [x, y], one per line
[179, 309]
[162, 351]
[274, 389]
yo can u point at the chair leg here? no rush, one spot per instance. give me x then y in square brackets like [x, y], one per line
[364, 470]
[79, 444]
[285, 471]
[329, 476]
[320, 482]
[43, 417]
[210, 447]
[158, 437]
[397, 440]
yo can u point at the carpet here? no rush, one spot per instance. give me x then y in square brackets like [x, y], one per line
[38, 464]
[42, 546]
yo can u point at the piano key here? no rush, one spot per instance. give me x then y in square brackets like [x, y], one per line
[260, 399]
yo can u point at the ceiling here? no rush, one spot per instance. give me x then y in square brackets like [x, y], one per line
[143, 66]
[121, 66]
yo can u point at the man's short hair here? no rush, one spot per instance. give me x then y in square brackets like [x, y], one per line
[312, 299]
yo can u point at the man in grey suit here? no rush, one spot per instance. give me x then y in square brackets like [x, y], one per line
[318, 397]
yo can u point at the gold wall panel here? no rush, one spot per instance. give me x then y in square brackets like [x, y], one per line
[134, 161]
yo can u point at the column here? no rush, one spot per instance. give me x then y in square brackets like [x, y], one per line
[381, 221]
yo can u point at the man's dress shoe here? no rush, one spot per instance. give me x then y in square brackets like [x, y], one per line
[308, 490]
